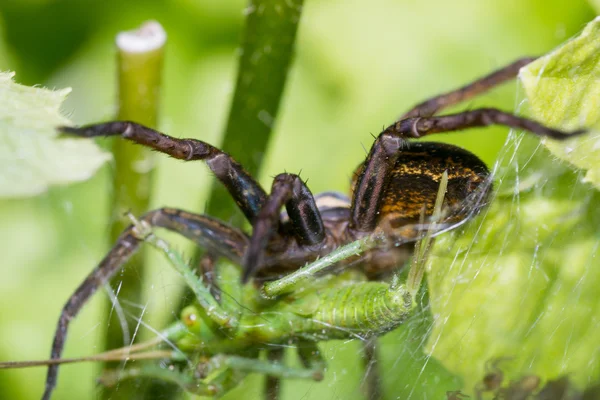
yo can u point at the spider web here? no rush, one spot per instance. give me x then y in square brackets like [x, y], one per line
[517, 284]
[498, 289]
[478, 282]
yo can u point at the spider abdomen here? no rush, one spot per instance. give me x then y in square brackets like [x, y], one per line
[415, 180]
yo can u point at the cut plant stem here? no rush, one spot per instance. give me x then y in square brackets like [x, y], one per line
[140, 65]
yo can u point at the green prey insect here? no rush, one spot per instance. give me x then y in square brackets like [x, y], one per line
[391, 205]
[220, 343]
[214, 345]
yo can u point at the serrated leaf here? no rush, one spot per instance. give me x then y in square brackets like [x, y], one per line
[32, 157]
[562, 88]
[519, 282]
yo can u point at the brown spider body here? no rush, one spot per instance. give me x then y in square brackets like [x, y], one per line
[410, 195]
[394, 191]
[415, 179]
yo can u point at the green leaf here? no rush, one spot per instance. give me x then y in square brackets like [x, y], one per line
[562, 88]
[595, 4]
[519, 282]
[32, 158]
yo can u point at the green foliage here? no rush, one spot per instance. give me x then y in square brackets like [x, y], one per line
[358, 66]
[32, 157]
[562, 89]
[519, 283]
[595, 4]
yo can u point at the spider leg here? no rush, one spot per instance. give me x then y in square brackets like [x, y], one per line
[423, 126]
[246, 192]
[207, 232]
[288, 190]
[435, 104]
[273, 384]
[372, 378]
[206, 270]
[386, 150]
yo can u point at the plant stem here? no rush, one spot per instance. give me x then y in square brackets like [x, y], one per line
[140, 65]
[266, 52]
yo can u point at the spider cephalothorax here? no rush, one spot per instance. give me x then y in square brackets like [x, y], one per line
[394, 191]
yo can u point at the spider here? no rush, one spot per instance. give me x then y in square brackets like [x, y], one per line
[394, 192]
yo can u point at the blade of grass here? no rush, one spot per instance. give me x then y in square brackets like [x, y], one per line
[140, 65]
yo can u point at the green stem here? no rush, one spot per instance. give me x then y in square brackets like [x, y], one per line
[140, 64]
[266, 53]
[272, 384]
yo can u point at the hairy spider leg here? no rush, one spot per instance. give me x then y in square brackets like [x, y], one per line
[272, 384]
[418, 122]
[371, 383]
[207, 232]
[291, 191]
[375, 173]
[247, 193]
[435, 104]
[422, 126]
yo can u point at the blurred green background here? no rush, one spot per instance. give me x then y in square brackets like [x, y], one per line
[359, 64]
